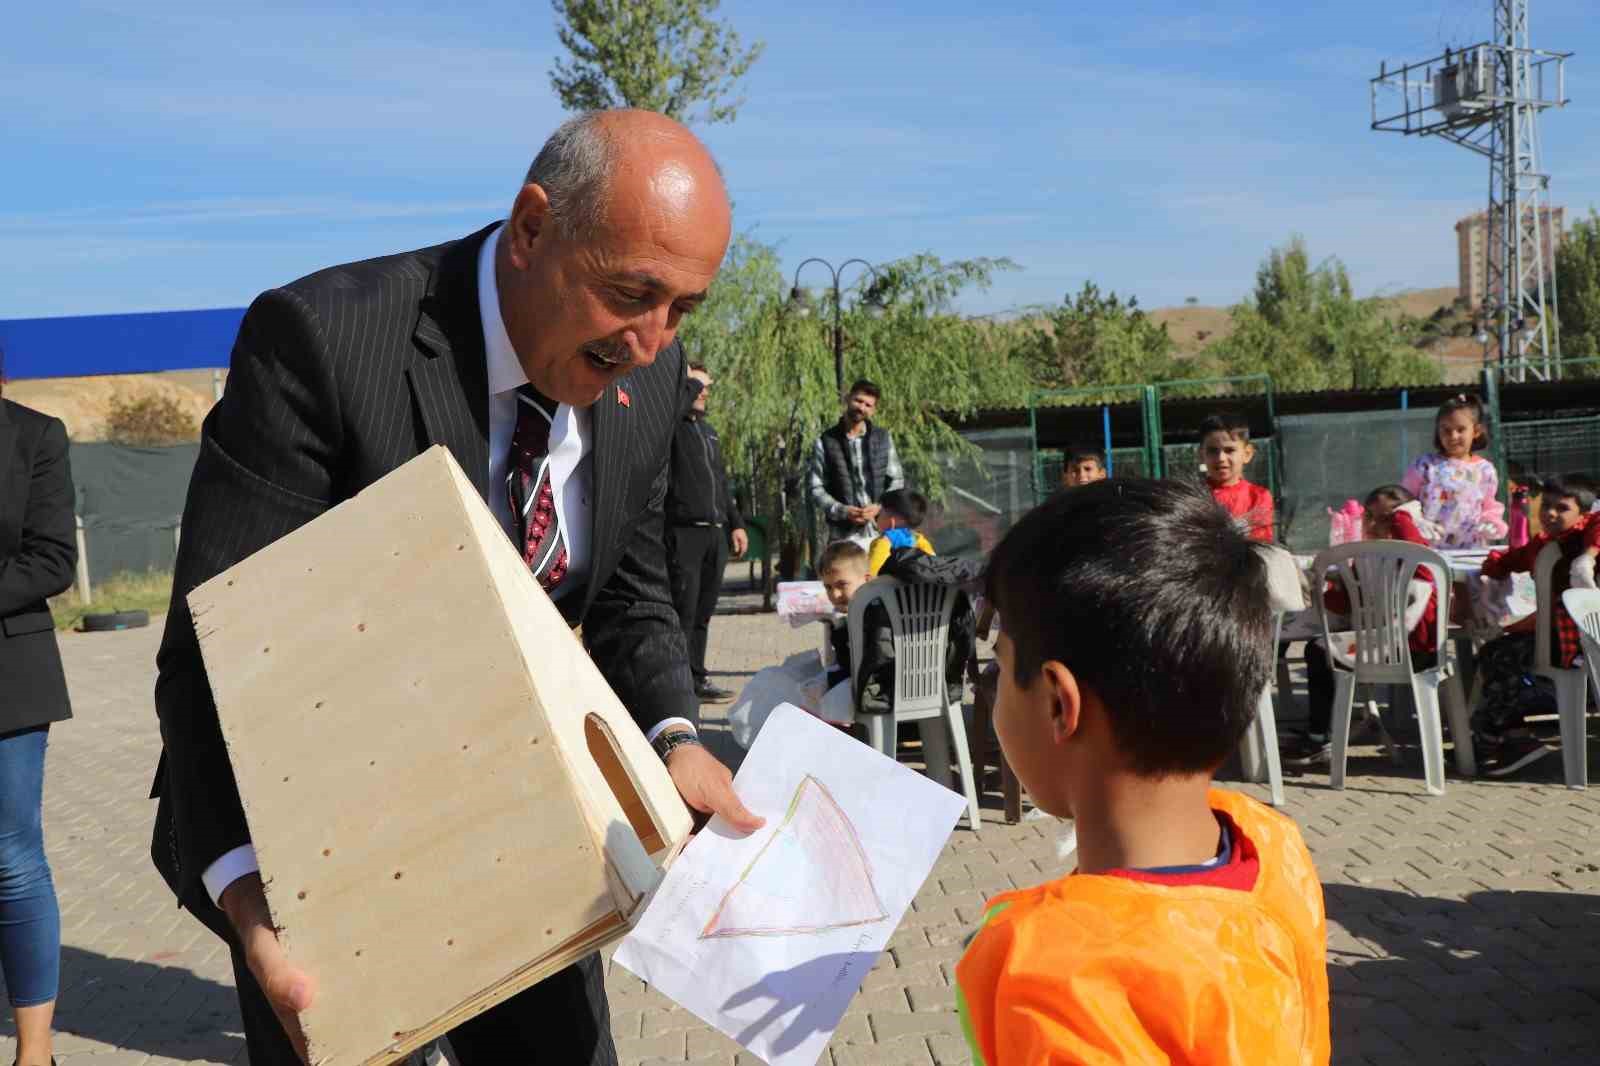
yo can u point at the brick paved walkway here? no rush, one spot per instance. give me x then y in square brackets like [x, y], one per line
[1462, 929]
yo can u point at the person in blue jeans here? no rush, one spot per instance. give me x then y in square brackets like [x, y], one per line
[38, 552]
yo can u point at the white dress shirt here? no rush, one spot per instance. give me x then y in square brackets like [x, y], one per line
[571, 480]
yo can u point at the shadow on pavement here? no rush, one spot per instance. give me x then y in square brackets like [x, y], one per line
[145, 1007]
[1498, 977]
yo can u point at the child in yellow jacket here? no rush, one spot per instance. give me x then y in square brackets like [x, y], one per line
[902, 511]
[1136, 639]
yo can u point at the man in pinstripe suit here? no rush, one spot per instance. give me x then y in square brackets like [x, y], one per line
[565, 313]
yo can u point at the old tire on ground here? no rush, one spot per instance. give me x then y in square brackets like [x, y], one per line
[114, 620]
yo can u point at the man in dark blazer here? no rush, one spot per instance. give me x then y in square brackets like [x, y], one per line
[562, 317]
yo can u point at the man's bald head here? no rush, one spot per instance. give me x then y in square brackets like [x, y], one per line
[580, 163]
[616, 235]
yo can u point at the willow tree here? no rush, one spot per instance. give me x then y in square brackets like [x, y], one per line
[773, 362]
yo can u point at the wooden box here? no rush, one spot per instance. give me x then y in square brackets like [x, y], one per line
[447, 800]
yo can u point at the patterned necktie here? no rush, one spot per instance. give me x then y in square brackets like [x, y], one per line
[533, 502]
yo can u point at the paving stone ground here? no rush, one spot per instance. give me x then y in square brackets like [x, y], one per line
[1462, 929]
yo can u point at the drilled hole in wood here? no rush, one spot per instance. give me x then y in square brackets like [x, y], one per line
[265, 650]
[361, 627]
[326, 852]
[374, 762]
[319, 705]
[549, 932]
[230, 584]
[286, 780]
[398, 874]
[358, 953]
[449, 943]
[499, 858]
[461, 547]
[300, 895]
[463, 747]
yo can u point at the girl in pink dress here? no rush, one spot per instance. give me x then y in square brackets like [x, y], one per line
[1456, 486]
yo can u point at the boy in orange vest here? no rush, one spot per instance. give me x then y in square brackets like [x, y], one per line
[1136, 639]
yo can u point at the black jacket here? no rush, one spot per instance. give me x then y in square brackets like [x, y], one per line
[874, 686]
[38, 551]
[697, 489]
[335, 380]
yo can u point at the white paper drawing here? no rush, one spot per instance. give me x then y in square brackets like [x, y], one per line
[769, 936]
[810, 876]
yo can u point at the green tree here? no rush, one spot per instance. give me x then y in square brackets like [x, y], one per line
[669, 56]
[1093, 339]
[1578, 288]
[774, 366]
[1305, 326]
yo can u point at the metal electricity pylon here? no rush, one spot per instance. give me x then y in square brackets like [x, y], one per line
[1487, 97]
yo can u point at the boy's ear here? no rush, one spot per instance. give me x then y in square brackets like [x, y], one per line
[1066, 700]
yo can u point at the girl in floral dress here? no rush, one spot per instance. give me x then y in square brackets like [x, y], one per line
[1456, 486]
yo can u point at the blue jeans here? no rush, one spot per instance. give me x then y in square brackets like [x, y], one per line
[30, 921]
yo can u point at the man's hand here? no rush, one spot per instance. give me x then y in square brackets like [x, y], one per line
[741, 543]
[858, 515]
[288, 990]
[871, 511]
[707, 786]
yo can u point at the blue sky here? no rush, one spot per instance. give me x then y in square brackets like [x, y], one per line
[172, 154]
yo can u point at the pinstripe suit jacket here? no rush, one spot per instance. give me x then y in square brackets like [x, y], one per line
[335, 380]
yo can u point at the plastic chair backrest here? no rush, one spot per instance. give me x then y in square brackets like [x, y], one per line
[1377, 575]
[919, 619]
[1584, 607]
[1543, 569]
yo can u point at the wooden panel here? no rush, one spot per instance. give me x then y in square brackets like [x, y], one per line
[399, 705]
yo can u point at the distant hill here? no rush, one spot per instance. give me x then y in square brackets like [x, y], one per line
[82, 403]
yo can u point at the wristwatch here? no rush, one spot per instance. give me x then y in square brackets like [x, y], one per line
[671, 739]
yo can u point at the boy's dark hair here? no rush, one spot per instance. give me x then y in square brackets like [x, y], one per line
[1077, 454]
[1232, 423]
[1398, 495]
[697, 368]
[910, 507]
[1580, 488]
[1468, 402]
[866, 388]
[841, 552]
[1156, 601]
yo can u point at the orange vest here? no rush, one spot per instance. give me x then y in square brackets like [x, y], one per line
[1105, 969]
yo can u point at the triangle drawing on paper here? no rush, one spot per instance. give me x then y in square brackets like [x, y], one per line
[810, 876]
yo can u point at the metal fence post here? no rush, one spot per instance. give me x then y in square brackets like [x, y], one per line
[84, 594]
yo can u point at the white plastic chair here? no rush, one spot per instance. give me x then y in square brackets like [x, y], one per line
[1376, 574]
[919, 618]
[1572, 697]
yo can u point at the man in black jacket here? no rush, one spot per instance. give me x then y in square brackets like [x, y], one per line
[702, 521]
[853, 464]
[540, 352]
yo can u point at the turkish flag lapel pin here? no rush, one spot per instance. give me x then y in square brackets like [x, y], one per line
[622, 397]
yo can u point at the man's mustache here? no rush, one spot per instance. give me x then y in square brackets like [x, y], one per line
[610, 352]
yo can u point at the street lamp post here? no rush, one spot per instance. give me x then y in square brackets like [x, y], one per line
[795, 298]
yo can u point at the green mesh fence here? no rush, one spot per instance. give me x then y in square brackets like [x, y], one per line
[1554, 446]
[1328, 459]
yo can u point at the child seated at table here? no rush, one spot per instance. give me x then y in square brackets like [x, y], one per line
[1081, 465]
[1225, 449]
[821, 689]
[902, 513]
[1390, 514]
[1510, 694]
[1135, 642]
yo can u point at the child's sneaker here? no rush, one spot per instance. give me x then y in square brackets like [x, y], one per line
[1519, 752]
